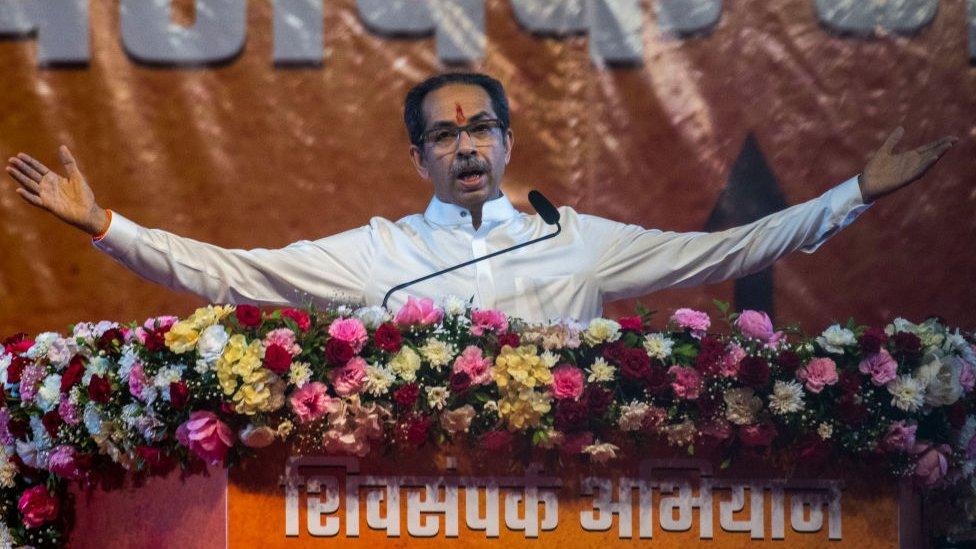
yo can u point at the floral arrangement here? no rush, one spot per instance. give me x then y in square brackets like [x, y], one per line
[110, 400]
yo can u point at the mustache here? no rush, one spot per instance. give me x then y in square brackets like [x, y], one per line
[470, 163]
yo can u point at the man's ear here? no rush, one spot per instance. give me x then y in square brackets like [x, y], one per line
[509, 145]
[417, 157]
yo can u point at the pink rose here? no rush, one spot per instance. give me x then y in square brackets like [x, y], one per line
[488, 321]
[567, 382]
[419, 311]
[880, 366]
[62, 461]
[206, 436]
[284, 338]
[476, 366]
[687, 382]
[761, 434]
[311, 402]
[932, 464]
[37, 506]
[350, 330]
[350, 378]
[900, 436]
[817, 374]
[756, 325]
[696, 321]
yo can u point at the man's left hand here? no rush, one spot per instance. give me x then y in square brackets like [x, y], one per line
[887, 172]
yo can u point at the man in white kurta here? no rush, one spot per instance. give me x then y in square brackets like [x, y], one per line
[461, 142]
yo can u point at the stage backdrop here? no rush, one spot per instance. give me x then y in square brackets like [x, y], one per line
[254, 124]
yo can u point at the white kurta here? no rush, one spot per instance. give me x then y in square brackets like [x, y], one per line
[593, 260]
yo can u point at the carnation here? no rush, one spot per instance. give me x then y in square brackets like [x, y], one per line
[211, 343]
[687, 382]
[349, 379]
[419, 311]
[818, 374]
[372, 317]
[488, 321]
[787, 397]
[458, 420]
[311, 402]
[567, 382]
[438, 353]
[880, 366]
[349, 330]
[477, 367]
[835, 338]
[602, 330]
[695, 321]
[741, 405]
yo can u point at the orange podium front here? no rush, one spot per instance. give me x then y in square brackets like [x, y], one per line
[473, 499]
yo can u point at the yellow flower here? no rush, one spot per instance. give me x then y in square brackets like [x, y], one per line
[208, 316]
[524, 408]
[252, 398]
[405, 364]
[522, 367]
[182, 338]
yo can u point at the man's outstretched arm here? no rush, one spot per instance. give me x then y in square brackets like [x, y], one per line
[329, 269]
[638, 261]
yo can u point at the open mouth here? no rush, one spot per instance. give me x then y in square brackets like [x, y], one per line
[472, 177]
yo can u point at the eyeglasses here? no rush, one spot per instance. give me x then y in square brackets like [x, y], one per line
[482, 132]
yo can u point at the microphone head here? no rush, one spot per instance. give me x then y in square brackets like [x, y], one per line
[544, 208]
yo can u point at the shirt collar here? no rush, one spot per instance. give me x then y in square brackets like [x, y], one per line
[495, 210]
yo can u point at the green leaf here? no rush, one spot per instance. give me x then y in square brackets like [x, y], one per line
[721, 306]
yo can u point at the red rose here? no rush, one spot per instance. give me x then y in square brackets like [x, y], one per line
[788, 362]
[157, 462]
[872, 340]
[754, 372]
[407, 395]
[711, 353]
[460, 382]
[17, 343]
[277, 359]
[417, 429]
[99, 389]
[388, 337]
[16, 369]
[109, 339]
[300, 317]
[156, 340]
[248, 315]
[634, 364]
[497, 441]
[338, 352]
[18, 428]
[632, 323]
[37, 506]
[52, 422]
[571, 415]
[73, 373]
[597, 399]
[510, 339]
[179, 394]
[657, 381]
[907, 345]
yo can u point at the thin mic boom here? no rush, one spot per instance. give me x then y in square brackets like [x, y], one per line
[542, 206]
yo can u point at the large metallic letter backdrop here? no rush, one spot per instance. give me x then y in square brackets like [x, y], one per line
[254, 124]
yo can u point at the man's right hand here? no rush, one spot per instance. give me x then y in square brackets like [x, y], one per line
[69, 198]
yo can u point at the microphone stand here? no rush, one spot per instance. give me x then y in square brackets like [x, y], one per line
[386, 298]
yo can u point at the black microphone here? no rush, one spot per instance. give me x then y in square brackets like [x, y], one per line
[542, 206]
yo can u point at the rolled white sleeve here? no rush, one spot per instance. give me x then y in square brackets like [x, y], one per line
[331, 268]
[637, 261]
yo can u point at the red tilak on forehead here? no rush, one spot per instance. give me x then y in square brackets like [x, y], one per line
[459, 114]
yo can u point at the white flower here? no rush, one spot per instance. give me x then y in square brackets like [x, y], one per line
[378, 379]
[632, 416]
[5, 360]
[907, 393]
[49, 394]
[835, 338]
[211, 343]
[787, 397]
[437, 397]
[131, 413]
[165, 376]
[601, 452]
[437, 352]
[61, 351]
[602, 330]
[944, 389]
[31, 455]
[825, 430]
[92, 418]
[97, 366]
[42, 344]
[372, 317]
[454, 306]
[127, 362]
[299, 373]
[6, 538]
[549, 359]
[741, 405]
[658, 346]
[39, 435]
[601, 370]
